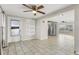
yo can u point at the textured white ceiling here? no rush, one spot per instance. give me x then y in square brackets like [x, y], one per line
[17, 9]
[67, 16]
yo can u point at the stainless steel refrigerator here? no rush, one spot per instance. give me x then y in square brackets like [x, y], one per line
[52, 28]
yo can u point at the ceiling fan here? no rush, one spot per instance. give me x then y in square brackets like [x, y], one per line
[34, 8]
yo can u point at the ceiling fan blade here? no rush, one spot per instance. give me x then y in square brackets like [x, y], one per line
[34, 7]
[26, 6]
[41, 12]
[28, 11]
[40, 7]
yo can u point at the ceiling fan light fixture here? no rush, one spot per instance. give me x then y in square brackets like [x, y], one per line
[34, 8]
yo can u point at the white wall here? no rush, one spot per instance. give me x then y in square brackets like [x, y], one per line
[0, 31]
[27, 29]
[44, 29]
[1, 19]
[40, 29]
[37, 29]
[77, 29]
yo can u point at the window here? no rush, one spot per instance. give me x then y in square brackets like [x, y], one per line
[15, 31]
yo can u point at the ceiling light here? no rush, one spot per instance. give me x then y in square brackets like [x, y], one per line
[34, 12]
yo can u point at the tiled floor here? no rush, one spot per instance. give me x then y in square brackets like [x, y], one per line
[63, 44]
